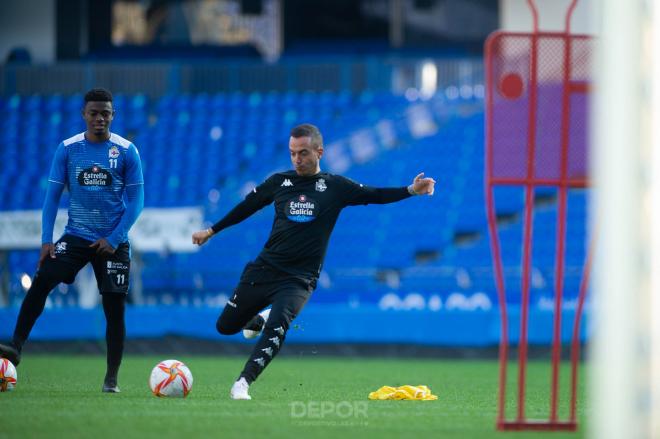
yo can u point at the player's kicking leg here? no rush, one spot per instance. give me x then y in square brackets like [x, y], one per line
[252, 329]
[286, 306]
[234, 317]
[241, 312]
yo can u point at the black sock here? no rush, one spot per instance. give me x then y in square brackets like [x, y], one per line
[115, 332]
[31, 308]
[267, 347]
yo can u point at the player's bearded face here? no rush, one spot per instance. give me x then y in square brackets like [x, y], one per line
[98, 117]
[305, 157]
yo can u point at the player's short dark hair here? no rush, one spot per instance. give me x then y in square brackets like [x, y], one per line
[98, 95]
[308, 130]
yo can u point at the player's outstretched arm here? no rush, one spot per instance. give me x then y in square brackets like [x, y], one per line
[421, 185]
[259, 197]
[360, 194]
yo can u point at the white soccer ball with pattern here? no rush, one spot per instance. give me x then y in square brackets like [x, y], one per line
[8, 376]
[171, 378]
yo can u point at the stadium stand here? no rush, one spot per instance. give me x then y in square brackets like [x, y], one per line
[209, 149]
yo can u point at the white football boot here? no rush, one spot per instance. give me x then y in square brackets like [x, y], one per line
[250, 333]
[240, 390]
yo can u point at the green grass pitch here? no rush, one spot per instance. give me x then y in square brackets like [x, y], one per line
[306, 397]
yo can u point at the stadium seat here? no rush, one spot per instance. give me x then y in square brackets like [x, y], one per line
[192, 144]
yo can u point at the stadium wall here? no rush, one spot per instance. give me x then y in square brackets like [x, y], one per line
[316, 324]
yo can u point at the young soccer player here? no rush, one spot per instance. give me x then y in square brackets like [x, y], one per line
[307, 204]
[97, 167]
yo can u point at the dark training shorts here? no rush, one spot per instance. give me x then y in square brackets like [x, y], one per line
[259, 287]
[73, 253]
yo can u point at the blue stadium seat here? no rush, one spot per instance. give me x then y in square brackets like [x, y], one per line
[191, 144]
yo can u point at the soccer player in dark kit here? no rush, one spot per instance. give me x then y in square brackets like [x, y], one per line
[307, 204]
[97, 167]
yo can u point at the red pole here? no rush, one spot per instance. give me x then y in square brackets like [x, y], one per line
[528, 225]
[561, 226]
[559, 291]
[524, 305]
[575, 342]
[569, 15]
[499, 278]
[494, 239]
[535, 15]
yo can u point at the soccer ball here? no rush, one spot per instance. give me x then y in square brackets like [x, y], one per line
[8, 375]
[171, 378]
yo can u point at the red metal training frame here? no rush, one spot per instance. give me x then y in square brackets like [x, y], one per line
[563, 183]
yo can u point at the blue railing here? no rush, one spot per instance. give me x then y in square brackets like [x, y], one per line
[159, 78]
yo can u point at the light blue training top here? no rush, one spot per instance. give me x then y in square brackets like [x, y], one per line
[97, 175]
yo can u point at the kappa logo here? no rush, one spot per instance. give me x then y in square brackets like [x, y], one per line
[320, 185]
[279, 330]
[275, 340]
[60, 248]
[260, 361]
[268, 351]
[113, 152]
[286, 183]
